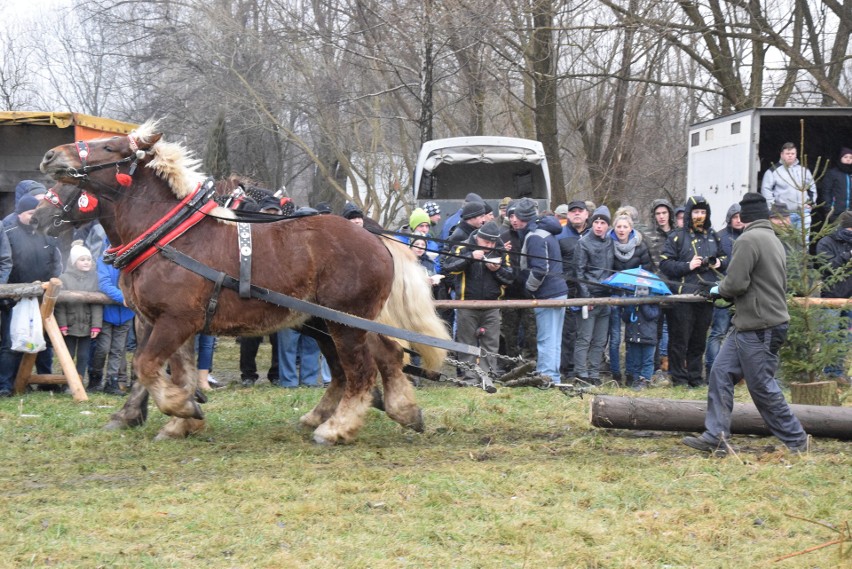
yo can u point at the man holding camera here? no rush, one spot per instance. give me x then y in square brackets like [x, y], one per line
[692, 256]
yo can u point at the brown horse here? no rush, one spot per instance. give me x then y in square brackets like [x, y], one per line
[139, 180]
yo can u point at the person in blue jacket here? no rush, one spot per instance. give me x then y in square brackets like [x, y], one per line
[542, 274]
[111, 348]
[640, 335]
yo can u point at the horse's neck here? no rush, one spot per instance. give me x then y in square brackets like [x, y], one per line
[146, 202]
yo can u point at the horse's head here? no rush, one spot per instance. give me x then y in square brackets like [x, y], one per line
[64, 208]
[100, 163]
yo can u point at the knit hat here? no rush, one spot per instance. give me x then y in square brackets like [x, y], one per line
[844, 151]
[576, 204]
[77, 251]
[844, 220]
[562, 209]
[323, 207]
[27, 203]
[431, 208]
[416, 236]
[526, 209]
[417, 217]
[472, 209]
[350, 211]
[490, 232]
[30, 187]
[472, 197]
[505, 201]
[601, 213]
[753, 207]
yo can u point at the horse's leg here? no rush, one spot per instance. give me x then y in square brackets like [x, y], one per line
[170, 398]
[135, 410]
[185, 375]
[334, 392]
[360, 372]
[399, 402]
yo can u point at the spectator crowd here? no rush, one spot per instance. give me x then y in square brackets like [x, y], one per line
[516, 252]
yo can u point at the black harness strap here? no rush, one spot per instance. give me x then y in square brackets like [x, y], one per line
[297, 305]
[244, 241]
[213, 302]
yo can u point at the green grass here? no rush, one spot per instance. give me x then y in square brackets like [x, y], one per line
[514, 479]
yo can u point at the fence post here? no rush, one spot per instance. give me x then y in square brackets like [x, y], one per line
[69, 370]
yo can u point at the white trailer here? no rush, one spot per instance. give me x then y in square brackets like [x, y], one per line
[492, 166]
[727, 156]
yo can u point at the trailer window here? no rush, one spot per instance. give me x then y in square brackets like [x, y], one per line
[735, 127]
[696, 139]
[708, 134]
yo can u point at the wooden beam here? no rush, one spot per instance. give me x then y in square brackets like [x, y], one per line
[612, 412]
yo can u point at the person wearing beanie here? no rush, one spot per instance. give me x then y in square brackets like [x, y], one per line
[756, 282]
[692, 256]
[721, 322]
[518, 326]
[593, 262]
[502, 216]
[543, 277]
[79, 323]
[789, 183]
[419, 221]
[34, 257]
[836, 187]
[434, 212]
[482, 270]
[353, 213]
[526, 210]
[452, 222]
[27, 204]
[569, 239]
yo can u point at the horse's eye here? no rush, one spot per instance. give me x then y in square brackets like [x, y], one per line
[108, 148]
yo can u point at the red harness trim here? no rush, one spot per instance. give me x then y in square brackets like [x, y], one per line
[119, 249]
[172, 235]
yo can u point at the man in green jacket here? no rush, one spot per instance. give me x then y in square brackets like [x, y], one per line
[756, 283]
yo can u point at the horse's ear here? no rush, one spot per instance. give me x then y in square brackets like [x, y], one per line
[154, 138]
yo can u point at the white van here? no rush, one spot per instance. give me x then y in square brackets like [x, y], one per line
[492, 166]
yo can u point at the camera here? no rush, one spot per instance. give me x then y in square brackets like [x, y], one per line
[707, 262]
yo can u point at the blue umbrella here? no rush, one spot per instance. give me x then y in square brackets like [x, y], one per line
[631, 278]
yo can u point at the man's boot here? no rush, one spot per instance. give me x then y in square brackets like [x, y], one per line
[111, 387]
[95, 383]
[664, 363]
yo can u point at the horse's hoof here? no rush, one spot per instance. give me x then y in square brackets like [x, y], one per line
[197, 412]
[114, 425]
[200, 397]
[323, 441]
[310, 420]
[417, 426]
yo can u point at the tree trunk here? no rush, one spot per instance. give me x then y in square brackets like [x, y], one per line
[815, 393]
[612, 412]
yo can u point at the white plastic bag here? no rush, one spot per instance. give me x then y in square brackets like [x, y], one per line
[26, 330]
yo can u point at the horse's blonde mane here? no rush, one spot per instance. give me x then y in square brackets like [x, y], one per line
[172, 162]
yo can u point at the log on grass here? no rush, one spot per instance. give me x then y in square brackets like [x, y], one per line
[612, 412]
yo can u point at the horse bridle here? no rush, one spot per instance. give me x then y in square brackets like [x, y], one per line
[83, 153]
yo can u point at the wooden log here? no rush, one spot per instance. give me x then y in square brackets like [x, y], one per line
[83, 297]
[614, 301]
[611, 412]
[20, 290]
[815, 393]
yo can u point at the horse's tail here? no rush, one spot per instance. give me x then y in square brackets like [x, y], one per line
[409, 305]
